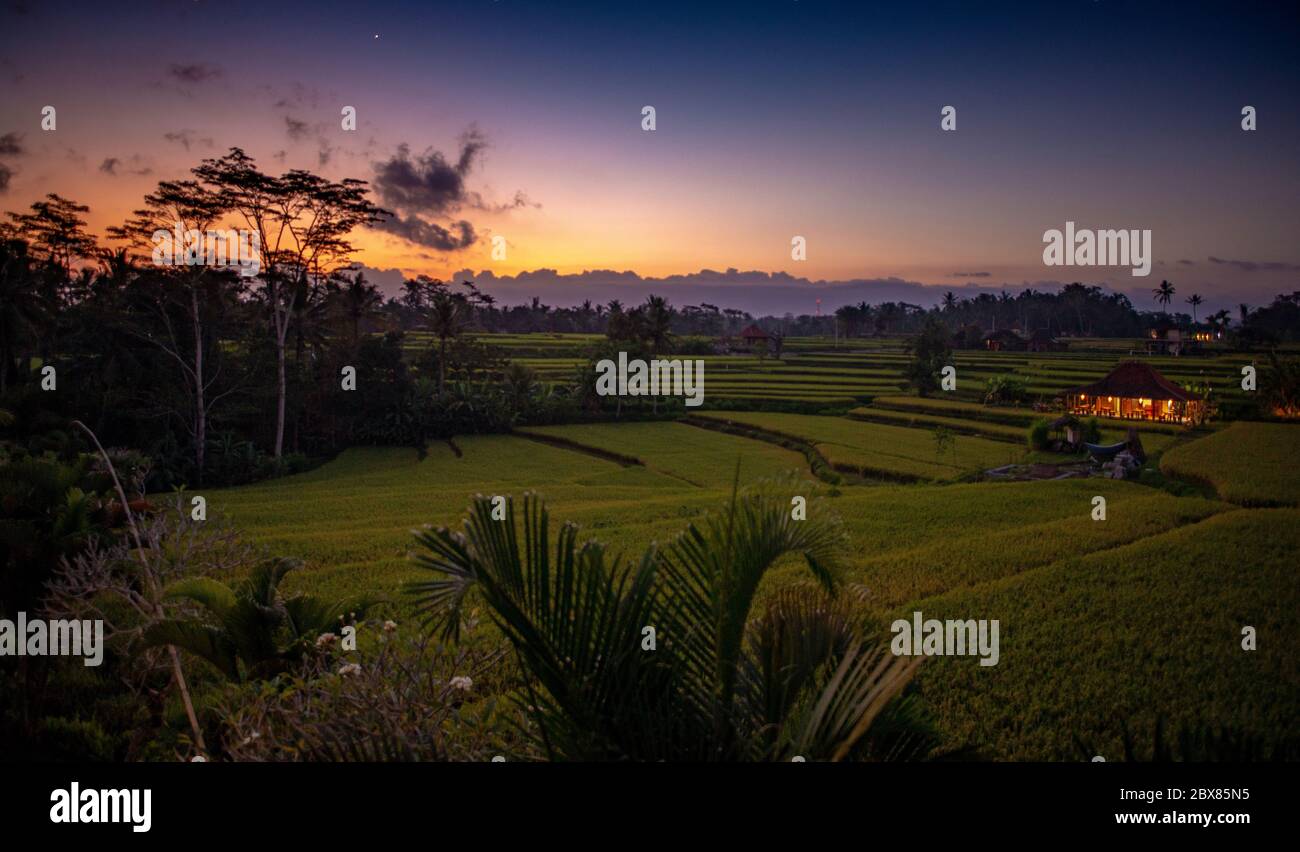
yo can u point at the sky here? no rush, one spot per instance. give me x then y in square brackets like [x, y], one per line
[524, 121]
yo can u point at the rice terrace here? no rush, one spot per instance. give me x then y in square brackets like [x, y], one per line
[698, 395]
[1101, 620]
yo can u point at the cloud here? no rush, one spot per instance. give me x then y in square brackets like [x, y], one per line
[187, 138]
[298, 130]
[1256, 265]
[299, 95]
[969, 274]
[387, 280]
[193, 73]
[428, 183]
[136, 166]
[521, 199]
[1185, 262]
[752, 290]
[11, 145]
[459, 236]
[421, 188]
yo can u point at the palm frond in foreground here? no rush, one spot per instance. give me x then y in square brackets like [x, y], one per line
[718, 683]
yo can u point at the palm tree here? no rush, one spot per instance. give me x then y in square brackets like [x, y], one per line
[413, 294]
[1243, 311]
[949, 300]
[251, 632]
[1195, 301]
[24, 310]
[520, 385]
[360, 301]
[663, 659]
[1164, 293]
[448, 315]
[658, 316]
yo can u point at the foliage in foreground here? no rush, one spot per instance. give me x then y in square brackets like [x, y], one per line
[714, 683]
[410, 699]
[250, 631]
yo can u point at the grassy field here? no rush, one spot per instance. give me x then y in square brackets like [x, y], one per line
[879, 450]
[820, 371]
[1136, 617]
[1151, 630]
[1253, 464]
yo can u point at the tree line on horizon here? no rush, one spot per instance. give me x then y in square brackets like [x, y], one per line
[222, 378]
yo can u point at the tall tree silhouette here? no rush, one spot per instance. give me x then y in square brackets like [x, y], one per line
[197, 290]
[302, 221]
[1164, 294]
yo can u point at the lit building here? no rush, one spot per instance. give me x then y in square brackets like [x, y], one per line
[1135, 391]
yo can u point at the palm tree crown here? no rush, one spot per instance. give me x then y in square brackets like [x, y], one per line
[1164, 293]
[661, 659]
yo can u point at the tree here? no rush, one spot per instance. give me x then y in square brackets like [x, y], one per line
[931, 352]
[664, 659]
[24, 310]
[1280, 386]
[1164, 294]
[1195, 301]
[55, 227]
[448, 315]
[657, 317]
[199, 290]
[949, 301]
[413, 294]
[302, 222]
[359, 300]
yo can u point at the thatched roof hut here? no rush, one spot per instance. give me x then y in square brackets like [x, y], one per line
[1134, 391]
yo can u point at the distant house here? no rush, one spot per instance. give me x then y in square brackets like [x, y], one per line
[1005, 340]
[1135, 391]
[751, 339]
[1165, 339]
[968, 337]
[1042, 341]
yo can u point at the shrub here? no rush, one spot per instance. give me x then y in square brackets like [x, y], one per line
[694, 345]
[1005, 389]
[401, 699]
[930, 353]
[1039, 432]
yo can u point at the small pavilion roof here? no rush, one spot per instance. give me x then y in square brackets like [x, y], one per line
[1134, 380]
